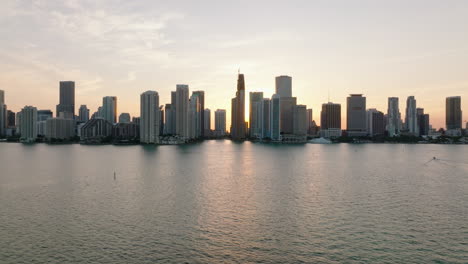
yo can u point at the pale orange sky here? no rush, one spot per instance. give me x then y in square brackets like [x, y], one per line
[122, 48]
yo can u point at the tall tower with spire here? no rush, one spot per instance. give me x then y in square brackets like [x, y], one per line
[238, 110]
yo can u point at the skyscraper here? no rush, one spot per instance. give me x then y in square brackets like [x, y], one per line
[3, 114]
[194, 116]
[109, 109]
[66, 100]
[124, 118]
[288, 105]
[266, 118]
[411, 121]
[59, 128]
[182, 105]
[220, 122]
[11, 118]
[255, 114]
[283, 86]
[201, 118]
[149, 117]
[43, 115]
[207, 121]
[393, 117]
[300, 120]
[375, 122]
[275, 117]
[330, 120]
[168, 120]
[356, 115]
[28, 124]
[423, 122]
[238, 111]
[83, 113]
[310, 119]
[172, 129]
[453, 113]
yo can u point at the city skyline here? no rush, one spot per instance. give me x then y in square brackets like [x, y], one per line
[402, 117]
[123, 49]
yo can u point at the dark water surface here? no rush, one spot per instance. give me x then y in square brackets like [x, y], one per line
[224, 202]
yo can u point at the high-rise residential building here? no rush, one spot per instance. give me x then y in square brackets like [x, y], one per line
[283, 86]
[172, 129]
[109, 109]
[126, 131]
[28, 119]
[66, 104]
[411, 117]
[330, 120]
[255, 114]
[3, 119]
[288, 105]
[59, 128]
[201, 118]
[43, 115]
[266, 118]
[182, 108]
[11, 118]
[207, 121]
[194, 116]
[220, 122]
[83, 113]
[393, 117]
[18, 123]
[310, 120]
[453, 113]
[300, 120]
[124, 118]
[275, 114]
[423, 122]
[161, 120]
[96, 130]
[3, 114]
[356, 115]
[238, 127]
[168, 120]
[375, 122]
[149, 117]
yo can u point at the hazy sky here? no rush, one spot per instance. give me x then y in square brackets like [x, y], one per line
[123, 48]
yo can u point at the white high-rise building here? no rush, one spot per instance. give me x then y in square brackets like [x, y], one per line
[283, 85]
[28, 124]
[220, 122]
[109, 109]
[182, 104]
[275, 117]
[411, 118]
[393, 117]
[149, 117]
